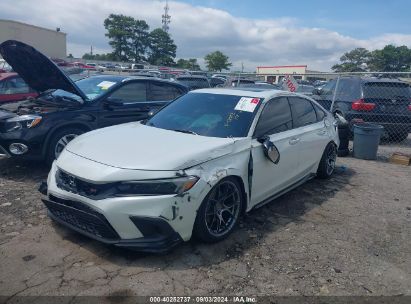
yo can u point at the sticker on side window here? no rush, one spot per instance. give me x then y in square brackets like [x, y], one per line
[247, 104]
[105, 85]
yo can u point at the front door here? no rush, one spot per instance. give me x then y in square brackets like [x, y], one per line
[268, 178]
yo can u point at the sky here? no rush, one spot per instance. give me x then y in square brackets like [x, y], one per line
[251, 32]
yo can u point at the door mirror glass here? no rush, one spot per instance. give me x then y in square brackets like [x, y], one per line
[270, 150]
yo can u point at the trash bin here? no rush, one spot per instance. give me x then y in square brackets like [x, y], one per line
[366, 140]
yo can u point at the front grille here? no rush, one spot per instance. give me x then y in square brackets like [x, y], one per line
[76, 185]
[81, 216]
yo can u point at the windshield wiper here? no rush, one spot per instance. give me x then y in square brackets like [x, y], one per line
[185, 131]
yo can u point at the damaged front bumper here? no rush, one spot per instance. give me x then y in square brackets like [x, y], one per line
[158, 236]
[141, 223]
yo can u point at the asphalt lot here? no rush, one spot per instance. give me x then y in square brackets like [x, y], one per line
[346, 236]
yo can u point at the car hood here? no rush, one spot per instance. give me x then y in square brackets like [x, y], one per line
[39, 72]
[140, 147]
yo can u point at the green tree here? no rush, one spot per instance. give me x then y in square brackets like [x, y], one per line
[217, 61]
[139, 40]
[353, 61]
[391, 59]
[162, 50]
[189, 64]
[108, 57]
[120, 31]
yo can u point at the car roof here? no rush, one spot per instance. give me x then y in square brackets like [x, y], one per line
[192, 77]
[247, 92]
[373, 79]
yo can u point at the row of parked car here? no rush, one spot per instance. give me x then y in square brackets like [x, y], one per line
[193, 168]
[67, 109]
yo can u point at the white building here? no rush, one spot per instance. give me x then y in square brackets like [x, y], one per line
[51, 43]
[274, 74]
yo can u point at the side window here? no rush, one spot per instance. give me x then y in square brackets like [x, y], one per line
[18, 86]
[328, 89]
[302, 111]
[320, 113]
[163, 92]
[348, 89]
[275, 118]
[3, 87]
[131, 92]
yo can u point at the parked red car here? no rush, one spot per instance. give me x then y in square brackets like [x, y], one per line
[83, 66]
[13, 88]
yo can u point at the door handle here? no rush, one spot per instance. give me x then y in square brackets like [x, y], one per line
[294, 141]
[322, 132]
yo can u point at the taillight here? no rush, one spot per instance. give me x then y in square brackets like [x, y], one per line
[409, 107]
[361, 105]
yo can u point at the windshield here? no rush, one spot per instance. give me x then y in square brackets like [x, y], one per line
[213, 115]
[92, 87]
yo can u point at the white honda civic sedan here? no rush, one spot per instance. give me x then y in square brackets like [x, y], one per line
[192, 169]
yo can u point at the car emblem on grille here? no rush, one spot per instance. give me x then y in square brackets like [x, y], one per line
[394, 101]
[72, 181]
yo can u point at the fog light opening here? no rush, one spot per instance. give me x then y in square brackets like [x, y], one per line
[18, 148]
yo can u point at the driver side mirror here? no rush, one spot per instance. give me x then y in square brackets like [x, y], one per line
[270, 150]
[111, 103]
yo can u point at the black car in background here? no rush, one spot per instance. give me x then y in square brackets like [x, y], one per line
[40, 128]
[383, 101]
[217, 82]
[194, 82]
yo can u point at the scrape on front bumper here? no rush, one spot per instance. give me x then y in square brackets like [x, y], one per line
[158, 235]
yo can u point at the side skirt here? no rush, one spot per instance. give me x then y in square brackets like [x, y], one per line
[284, 191]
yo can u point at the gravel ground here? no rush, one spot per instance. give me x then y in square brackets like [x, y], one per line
[349, 235]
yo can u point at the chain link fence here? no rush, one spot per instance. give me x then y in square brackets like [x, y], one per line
[380, 98]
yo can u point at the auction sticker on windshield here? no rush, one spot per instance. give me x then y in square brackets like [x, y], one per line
[247, 104]
[105, 85]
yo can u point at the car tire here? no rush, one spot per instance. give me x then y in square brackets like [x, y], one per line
[59, 140]
[223, 203]
[399, 137]
[327, 163]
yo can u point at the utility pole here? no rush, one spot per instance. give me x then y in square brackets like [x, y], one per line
[166, 18]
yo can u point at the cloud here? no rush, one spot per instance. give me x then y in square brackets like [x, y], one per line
[198, 30]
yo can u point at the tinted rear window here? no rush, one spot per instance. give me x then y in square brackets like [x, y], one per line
[386, 90]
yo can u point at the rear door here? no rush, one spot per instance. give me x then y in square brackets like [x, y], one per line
[348, 90]
[275, 121]
[311, 133]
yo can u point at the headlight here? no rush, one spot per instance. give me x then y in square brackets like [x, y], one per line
[21, 122]
[157, 187]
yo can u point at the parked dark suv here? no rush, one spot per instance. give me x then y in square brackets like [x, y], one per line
[384, 101]
[40, 128]
[194, 82]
